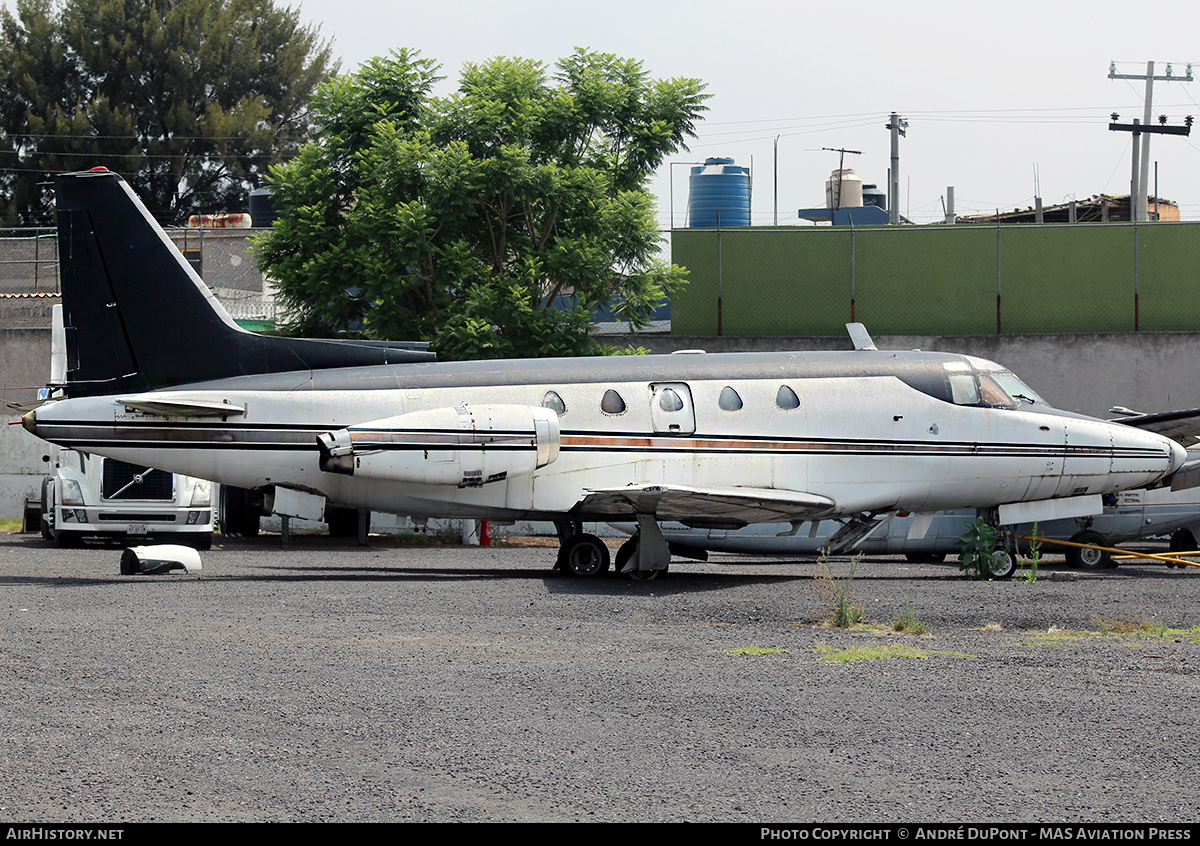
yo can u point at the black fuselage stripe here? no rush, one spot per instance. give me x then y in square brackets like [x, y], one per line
[860, 450]
[251, 437]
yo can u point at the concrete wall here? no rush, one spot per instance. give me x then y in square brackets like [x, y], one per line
[24, 365]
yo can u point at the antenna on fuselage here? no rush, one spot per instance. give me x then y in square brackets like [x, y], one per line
[860, 336]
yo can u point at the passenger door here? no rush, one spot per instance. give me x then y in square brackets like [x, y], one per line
[671, 411]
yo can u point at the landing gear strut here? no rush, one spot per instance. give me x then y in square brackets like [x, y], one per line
[643, 557]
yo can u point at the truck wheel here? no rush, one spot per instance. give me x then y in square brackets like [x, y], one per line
[47, 511]
[342, 522]
[199, 541]
[238, 512]
[67, 540]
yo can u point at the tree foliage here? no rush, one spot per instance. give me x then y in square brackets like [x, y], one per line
[465, 219]
[190, 100]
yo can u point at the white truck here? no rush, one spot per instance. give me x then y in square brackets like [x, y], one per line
[90, 496]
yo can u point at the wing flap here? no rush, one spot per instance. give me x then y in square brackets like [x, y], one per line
[706, 507]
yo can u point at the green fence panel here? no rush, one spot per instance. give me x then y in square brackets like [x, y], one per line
[939, 280]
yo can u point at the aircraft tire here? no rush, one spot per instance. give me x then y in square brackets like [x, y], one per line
[585, 555]
[1007, 568]
[1089, 559]
[646, 575]
[1182, 541]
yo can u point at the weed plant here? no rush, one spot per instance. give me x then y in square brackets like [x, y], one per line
[979, 550]
[835, 593]
[908, 623]
[1035, 556]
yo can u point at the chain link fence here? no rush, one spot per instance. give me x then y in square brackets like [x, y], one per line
[938, 280]
[29, 261]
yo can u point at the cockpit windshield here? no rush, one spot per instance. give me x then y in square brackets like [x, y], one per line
[991, 389]
[1016, 388]
[976, 383]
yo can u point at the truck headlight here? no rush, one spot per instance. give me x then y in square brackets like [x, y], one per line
[201, 493]
[71, 493]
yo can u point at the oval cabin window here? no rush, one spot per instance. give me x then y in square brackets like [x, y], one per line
[554, 402]
[729, 399]
[612, 403]
[786, 398]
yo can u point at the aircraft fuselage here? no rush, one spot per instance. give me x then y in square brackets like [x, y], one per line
[872, 431]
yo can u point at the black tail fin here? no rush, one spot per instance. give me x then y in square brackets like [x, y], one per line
[139, 318]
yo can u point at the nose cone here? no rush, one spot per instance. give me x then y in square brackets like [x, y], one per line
[29, 421]
[1149, 454]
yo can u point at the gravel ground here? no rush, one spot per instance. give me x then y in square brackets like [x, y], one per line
[331, 682]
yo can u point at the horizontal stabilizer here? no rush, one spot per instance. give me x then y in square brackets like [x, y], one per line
[1182, 426]
[135, 313]
[709, 507]
[166, 406]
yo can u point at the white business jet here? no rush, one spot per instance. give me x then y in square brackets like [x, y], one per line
[159, 374]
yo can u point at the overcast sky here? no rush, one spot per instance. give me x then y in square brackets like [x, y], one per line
[999, 97]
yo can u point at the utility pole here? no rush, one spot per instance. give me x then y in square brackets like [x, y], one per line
[897, 125]
[775, 211]
[1137, 195]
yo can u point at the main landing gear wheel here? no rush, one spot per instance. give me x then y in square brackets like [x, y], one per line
[626, 551]
[646, 575]
[1089, 559]
[585, 555]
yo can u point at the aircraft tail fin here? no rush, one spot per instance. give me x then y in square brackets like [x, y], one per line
[138, 317]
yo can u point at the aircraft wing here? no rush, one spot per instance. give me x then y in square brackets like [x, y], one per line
[711, 507]
[1182, 426]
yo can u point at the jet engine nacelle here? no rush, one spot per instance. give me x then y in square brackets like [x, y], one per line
[465, 446]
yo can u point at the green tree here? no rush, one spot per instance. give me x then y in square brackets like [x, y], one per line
[190, 100]
[462, 219]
